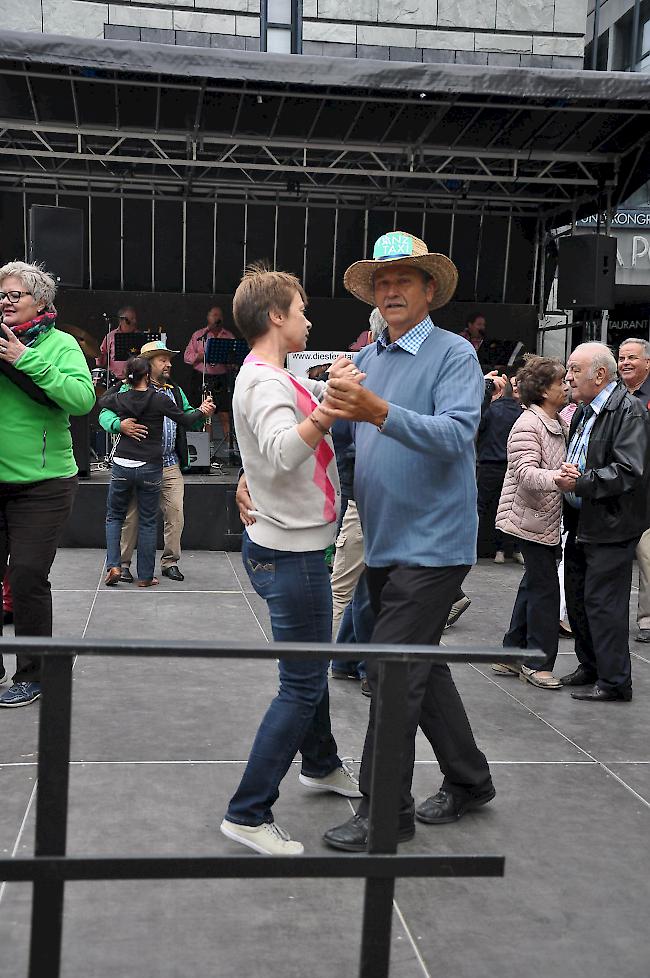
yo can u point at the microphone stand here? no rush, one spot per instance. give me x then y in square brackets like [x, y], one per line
[107, 437]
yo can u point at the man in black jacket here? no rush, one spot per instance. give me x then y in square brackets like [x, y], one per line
[605, 482]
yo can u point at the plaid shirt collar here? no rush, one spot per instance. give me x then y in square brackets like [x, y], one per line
[410, 341]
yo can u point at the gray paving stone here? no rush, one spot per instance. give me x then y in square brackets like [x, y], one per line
[231, 41]
[405, 54]
[549, 901]
[504, 60]
[536, 61]
[563, 821]
[376, 52]
[471, 58]
[113, 32]
[568, 64]
[333, 50]
[437, 56]
[196, 39]
[312, 48]
[157, 35]
[16, 786]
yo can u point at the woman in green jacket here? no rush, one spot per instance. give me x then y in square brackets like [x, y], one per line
[44, 379]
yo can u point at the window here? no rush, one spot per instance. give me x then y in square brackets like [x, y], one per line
[281, 26]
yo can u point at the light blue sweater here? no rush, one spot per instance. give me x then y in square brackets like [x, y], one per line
[415, 481]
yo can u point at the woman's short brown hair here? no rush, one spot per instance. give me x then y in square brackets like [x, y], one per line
[536, 376]
[259, 291]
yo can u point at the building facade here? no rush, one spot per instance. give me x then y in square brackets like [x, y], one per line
[512, 33]
[622, 28]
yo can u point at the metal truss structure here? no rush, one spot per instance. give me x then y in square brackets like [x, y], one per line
[448, 142]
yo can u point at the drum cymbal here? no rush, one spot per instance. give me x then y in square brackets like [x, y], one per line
[86, 341]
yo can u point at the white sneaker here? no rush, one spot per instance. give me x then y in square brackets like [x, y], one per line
[341, 781]
[519, 558]
[499, 557]
[267, 838]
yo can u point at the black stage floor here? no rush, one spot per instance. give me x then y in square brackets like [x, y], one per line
[211, 517]
[158, 747]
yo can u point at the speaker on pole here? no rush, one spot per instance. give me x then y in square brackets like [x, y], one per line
[586, 272]
[56, 236]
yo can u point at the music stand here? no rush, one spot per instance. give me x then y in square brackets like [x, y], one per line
[232, 353]
[129, 344]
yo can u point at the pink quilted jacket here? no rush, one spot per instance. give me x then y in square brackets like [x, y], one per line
[531, 505]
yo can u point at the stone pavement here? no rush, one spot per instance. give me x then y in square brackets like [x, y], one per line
[159, 746]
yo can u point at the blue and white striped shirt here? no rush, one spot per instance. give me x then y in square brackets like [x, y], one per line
[579, 444]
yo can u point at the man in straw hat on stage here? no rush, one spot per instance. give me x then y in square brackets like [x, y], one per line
[417, 403]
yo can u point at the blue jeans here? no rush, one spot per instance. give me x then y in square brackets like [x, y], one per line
[145, 481]
[356, 627]
[297, 591]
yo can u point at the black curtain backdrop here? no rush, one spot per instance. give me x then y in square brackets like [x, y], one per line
[336, 322]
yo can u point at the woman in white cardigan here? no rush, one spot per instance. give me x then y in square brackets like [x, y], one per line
[530, 509]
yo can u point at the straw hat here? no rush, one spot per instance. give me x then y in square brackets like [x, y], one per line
[402, 248]
[155, 347]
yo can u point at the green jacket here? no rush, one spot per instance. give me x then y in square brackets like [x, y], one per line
[35, 441]
[110, 422]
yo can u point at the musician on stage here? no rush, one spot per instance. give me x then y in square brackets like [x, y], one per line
[214, 373]
[127, 323]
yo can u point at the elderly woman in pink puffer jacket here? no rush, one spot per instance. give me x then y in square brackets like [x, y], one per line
[530, 509]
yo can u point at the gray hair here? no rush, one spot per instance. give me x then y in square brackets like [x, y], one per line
[377, 324]
[643, 343]
[602, 357]
[36, 280]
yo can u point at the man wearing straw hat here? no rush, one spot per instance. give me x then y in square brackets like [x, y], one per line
[417, 403]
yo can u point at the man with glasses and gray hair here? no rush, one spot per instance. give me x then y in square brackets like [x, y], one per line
[634, 369]
[127, 323]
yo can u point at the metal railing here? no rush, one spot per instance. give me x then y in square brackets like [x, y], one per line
[49, 869]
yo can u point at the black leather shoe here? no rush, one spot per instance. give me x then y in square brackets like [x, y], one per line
[446, 807]
[597, 695]
[126, 576]
[352, 836]
[579, 677]
[173, 573]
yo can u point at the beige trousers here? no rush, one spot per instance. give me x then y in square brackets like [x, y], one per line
[348, 564]
[643, 560]
[172, 492]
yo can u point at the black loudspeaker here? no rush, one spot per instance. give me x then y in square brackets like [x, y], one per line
[56, 236]
[198, 443]
[80, 431]
[586, 272]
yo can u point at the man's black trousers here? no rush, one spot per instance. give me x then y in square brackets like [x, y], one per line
[412, 605]
[597, 581]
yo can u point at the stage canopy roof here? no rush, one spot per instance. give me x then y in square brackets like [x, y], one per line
[139, 119]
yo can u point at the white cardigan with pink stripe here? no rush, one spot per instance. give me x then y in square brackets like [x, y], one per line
[294, 488]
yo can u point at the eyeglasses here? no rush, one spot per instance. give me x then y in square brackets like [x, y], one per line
[13, 296]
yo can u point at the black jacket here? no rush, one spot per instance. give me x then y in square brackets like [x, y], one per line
[148, 407]
[494, 429]
[614, 486]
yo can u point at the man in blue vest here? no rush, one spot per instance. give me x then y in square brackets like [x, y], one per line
[417, 404]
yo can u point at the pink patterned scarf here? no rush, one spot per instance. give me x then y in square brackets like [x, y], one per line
[323, 454]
